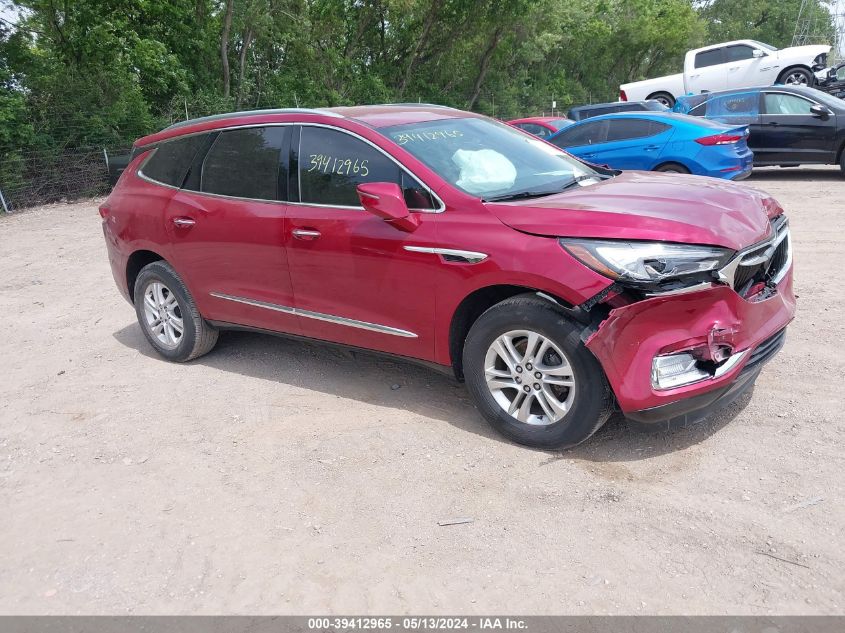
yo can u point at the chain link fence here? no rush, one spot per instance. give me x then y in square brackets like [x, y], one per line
[35, 177]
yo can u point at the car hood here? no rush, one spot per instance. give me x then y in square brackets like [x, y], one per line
[809, 52]
[648, 206]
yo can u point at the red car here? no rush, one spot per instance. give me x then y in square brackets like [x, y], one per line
[557, 290]
[542, 126]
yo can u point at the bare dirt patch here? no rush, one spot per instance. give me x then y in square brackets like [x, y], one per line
[274, 476]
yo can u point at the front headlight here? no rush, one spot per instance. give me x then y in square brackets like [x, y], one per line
[646, 262]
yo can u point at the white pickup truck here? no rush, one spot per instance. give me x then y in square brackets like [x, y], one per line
[738, 64]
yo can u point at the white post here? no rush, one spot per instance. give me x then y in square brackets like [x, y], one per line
[3, 202]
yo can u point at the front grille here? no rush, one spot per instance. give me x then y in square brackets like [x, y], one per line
[762, 267]
[765, 350]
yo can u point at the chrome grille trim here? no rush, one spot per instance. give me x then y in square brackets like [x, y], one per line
[759, 254]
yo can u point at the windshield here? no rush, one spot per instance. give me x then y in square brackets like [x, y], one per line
[767, 47]
[488, 159]
[823, 97]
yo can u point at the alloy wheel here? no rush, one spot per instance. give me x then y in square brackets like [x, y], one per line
[530, 377]
[163, 315]
[796, 78]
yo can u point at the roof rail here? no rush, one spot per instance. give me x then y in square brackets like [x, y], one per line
[428, 105]
[232, 115]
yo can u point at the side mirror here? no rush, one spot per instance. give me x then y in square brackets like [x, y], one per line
[820, 111]
[757, 53]
[385, 200]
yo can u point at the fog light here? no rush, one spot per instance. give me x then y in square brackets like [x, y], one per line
[675, 370]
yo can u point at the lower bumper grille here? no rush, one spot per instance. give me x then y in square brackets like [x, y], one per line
[765, 351]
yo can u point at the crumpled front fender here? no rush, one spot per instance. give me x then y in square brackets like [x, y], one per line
[627, 341]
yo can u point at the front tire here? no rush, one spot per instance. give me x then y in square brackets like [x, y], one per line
[168, 315]
[796, 77]
[532, 378]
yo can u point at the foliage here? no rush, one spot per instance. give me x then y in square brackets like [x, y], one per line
[103, 72]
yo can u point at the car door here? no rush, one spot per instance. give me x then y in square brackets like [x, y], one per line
[356, 278]
[709, 72]
[743, 69]
[633, 143]
[227, 225]
[789, 132]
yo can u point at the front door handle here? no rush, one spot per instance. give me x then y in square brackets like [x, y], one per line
[184, 222]
[306, 234]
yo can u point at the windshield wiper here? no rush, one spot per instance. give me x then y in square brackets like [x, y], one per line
[578, 179]
[522, 195]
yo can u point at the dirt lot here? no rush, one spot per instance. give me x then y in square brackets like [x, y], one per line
[285, 477]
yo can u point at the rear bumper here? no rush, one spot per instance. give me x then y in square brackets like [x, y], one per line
[695, 408]
[629, 339]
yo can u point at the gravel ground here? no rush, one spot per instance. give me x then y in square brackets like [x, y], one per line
[275, 476]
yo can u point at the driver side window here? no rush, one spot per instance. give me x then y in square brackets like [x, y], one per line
[782, 103]
[333, 163]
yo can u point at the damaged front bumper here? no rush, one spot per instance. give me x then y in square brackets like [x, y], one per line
[728, 337]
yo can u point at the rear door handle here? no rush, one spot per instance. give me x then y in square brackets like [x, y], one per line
[184, 221]
[306, 234]
[651, 148]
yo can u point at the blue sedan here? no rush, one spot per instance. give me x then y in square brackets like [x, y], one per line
[660, 141]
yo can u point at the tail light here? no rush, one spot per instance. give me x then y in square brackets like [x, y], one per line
[623, 96]
[104, 210]
[720, 139]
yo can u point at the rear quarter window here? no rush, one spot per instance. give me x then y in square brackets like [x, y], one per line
[171, 159]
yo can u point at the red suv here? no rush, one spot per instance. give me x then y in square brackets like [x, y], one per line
[556, 289]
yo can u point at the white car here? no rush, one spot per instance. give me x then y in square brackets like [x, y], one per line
[737, 64]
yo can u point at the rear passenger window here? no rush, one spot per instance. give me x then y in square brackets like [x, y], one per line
[171, 160]
[245, 163]
[709, 58]
[332, 164]
[627, 129]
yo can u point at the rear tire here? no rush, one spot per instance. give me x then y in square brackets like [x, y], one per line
[559, 391]
[672, 168]
[168, 315]
[663, 97]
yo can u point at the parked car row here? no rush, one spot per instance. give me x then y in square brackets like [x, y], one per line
[721, 134]
[544, 126]
[558, 290]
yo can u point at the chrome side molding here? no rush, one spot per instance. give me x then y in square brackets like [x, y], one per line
[470, 257]
[319, 316]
